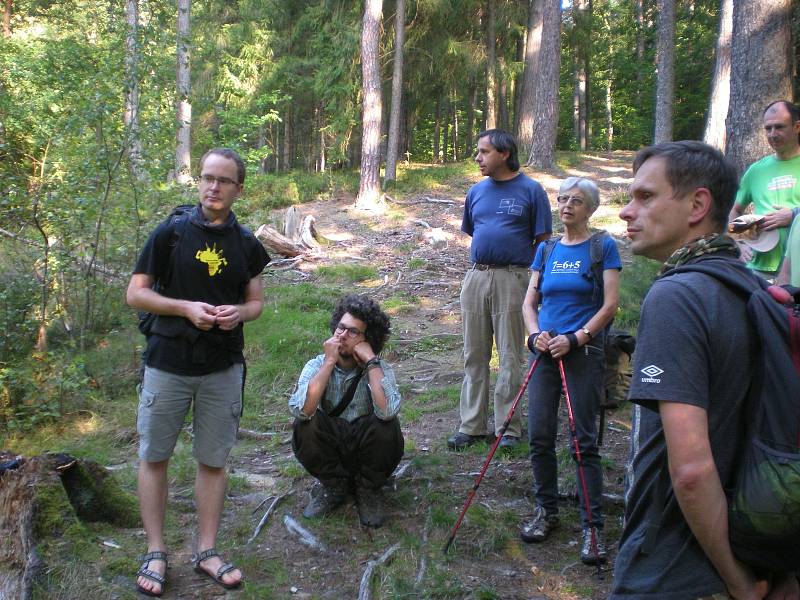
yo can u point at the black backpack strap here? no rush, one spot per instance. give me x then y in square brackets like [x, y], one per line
[596, 266]
[348, 396]
[549, 244]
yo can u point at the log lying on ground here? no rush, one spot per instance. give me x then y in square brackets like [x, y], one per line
[298, 236]
[44, 497]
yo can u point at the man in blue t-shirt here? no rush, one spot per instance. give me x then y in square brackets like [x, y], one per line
[507, 215]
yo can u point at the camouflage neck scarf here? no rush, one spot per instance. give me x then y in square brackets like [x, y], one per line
[713, 242]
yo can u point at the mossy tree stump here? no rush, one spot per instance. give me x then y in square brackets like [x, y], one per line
[43, 498]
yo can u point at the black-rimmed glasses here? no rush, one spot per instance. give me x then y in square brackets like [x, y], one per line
[351, 331]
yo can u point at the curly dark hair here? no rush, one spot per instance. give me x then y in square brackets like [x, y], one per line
[364, 309]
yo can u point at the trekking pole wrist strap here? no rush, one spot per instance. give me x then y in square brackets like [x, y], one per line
[573, 340]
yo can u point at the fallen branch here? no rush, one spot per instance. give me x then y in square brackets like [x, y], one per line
[364, 592]
[304, 536]
[277, 242]
[251, 434]
[423, 200]
[423, 559]
[266, 516]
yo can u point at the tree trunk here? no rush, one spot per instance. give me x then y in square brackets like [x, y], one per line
[369, 193]
[390, 173]
[581, 39]
[665, 65]
[446, 130]
[609, 117]
[322, 140]
[455, 127]
[183, 173]
[288, 139]
[542, 154]
[472, 101]
[761, 68]
[491, 68]
[131, 113]
[639, 5]
[530, 74]
[437, 121]
[7, 19]
[502, 98]
[714, 133]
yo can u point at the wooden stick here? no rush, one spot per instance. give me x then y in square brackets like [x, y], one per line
[364, 592]
[266, 516]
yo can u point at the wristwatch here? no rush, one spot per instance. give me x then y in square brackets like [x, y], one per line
[587, 332]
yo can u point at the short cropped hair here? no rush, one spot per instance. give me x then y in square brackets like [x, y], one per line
[587, 186]
[503, 141]
[691, 165]
[793, 109]
[367, 310]
[230, 155]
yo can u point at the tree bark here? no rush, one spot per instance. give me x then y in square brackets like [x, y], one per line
[639, 6]
[471, 104]
[390, 173]
[714, 133]
[7, 19]
[542, 154]
[609, 117]
[455, 127]
[581, 39]
[491, 67]
[761, 68]
[288, 139]
[183, 174]
[665, 65]
[530, 73]
[131, 111]
[369, 194]
[437, 121]
[502, 97]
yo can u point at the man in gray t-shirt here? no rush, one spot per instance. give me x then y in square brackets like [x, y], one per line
[691, 373]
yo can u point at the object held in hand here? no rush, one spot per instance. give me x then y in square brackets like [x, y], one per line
[745, 229]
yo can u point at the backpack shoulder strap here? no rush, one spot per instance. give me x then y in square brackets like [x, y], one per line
[549, 244]
[596, 267]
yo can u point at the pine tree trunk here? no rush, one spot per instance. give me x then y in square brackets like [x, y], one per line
[609, 117]
[288, 139]
[714, 133]
[455, 128]
[390, 173]
[446, 131]
[530, 73]
[183, 149]
[761, 68]
[542, 154]
[131, 111]
[472, 101]
[665, 65]
[7, 19]
[502, 98]
[491, 68]
[369, 193]
[437, 120]
[639, 5]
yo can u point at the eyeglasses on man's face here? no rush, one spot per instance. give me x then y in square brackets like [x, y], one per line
[211, 179]
[570, 200]
[351, 331]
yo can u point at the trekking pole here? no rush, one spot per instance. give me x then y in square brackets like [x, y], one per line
[579, 459]
[499, 437]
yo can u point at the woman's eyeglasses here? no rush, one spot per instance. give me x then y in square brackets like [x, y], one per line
[571, 200]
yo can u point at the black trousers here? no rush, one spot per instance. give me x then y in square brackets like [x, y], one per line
[335, 451]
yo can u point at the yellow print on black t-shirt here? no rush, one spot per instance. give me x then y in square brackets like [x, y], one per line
[213, 259]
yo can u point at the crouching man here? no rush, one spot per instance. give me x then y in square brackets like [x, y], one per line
[346, 431]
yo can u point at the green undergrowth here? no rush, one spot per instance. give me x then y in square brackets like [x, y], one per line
[635, 280]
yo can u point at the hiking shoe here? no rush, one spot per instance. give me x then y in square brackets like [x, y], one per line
[324, 499]
[588, 554]
[509, 442]
[370, 506]
[538, 527]
[460, 440]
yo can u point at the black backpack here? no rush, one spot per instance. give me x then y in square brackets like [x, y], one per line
[764, 508]
[177, 220]
[595, 269]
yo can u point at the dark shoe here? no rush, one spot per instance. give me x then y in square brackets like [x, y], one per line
[509, 442]
[593, 552]
[538, 527]
[370, 506]
[217, 577]
[146, 572]
[324, 499]
[460, 440]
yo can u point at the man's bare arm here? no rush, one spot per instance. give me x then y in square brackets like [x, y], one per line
[699, 492]
[142, 296]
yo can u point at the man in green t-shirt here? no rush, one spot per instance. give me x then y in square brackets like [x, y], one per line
[772, 184]
[790, 271]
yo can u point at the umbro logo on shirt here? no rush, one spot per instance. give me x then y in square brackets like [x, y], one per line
[652, 372]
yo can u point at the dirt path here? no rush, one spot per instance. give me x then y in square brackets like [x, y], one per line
[487, 560]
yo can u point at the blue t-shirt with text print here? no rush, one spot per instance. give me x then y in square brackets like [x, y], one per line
[567, 288]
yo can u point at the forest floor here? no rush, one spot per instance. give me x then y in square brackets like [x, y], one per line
[419, 283]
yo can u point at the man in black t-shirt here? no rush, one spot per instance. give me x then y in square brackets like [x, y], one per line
[692, 369]
[207, 268]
